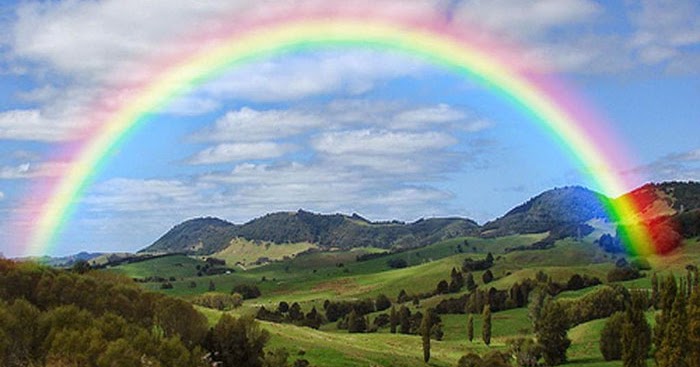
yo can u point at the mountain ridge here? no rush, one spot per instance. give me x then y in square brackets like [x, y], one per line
[550, 210]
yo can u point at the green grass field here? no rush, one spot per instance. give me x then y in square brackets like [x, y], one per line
[312, 278]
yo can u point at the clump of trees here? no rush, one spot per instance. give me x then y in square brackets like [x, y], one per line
[218, 301]
[292, 315]
[470, 264]
[247, 291]
[63, 318]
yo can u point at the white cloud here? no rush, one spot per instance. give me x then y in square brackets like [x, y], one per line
[32, 170]
[248, 124]
[2, 195]
[372, 142]
[33, 125]
[232, 152]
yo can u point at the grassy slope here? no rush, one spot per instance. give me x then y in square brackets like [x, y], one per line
[247, 252]
[295, 280]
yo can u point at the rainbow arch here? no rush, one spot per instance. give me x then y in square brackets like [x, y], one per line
[550, 105]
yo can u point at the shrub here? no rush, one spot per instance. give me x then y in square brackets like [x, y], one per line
[219, 301]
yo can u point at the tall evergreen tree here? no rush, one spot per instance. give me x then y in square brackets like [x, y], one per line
[667, 295]
[469, 282]
[551, 329]
[393, 319]
[404, 320]
[425, 328]
[470, 327]
[694, 329]
[654, 291]
[486, 326]
[636, 333]
[611, 338]
[674, 344]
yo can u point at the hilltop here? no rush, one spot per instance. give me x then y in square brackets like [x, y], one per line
[562, 211]
[210, 235]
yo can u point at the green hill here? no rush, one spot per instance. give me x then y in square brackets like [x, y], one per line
[210, 235]
[548, 211]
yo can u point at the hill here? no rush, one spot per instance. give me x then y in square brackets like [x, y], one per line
[209, 235]
[548, 211]
[665, 199]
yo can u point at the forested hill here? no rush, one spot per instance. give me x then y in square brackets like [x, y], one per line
[209, 235]
[550, 210]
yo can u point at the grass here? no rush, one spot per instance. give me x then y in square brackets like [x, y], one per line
[312, 278]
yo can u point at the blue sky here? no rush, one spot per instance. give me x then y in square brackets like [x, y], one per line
[337, 130]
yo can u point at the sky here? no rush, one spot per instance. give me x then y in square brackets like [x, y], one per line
[352, 130]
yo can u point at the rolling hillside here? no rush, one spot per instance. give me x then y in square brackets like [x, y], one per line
[210, 235]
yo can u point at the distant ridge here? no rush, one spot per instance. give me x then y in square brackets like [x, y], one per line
[551, 210]
[209, 235]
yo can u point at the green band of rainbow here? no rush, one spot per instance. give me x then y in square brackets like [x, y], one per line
[293, 34]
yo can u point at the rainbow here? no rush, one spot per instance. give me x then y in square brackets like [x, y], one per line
[550, 105]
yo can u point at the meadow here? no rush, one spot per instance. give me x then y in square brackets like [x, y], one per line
[310, 279]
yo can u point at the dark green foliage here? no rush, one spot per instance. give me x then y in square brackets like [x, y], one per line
[456, 281]
[487, 277]
[551, 330]
[442, 287]
[247, 291]
[393, 320]
[469, 282]
[81, 267]
[356, 323]
[597, 304]
[237, 342]
[65, 318]
[621, 274]
[425, 329]
[397, 263]
[470, 264]
[283, 307]
[382, 302]
[404, 320]
[694, 328]
[218, 301]
[636, 333]
[611, 337]
[491, 359]
[526, 352]
[486, 327]
[470, 327]
[313, 319]
[326, 230]
[673, 347]
[470, 360]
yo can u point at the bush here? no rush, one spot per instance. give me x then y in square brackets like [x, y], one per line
[247, 291]
[621, 274]
[219, 301]
[610, 337]
[397, 263]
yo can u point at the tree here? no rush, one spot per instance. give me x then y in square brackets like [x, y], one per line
[526, 352]
[654, 291]
[674, 343]
[405, 320]
[81, 267]
[487, 277]
[470, 360]
[382, 302]
[237, 342]
[470, 327]
[537, 299]
[610, 337]
[636, 333]
[486, 327]
[469, 282]
[425, 328]
[283, 307]
[442, 287]
[177, 317]
[295, 313]
[393, 320]
[694, 328]
[356, 322]
[551, 330]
